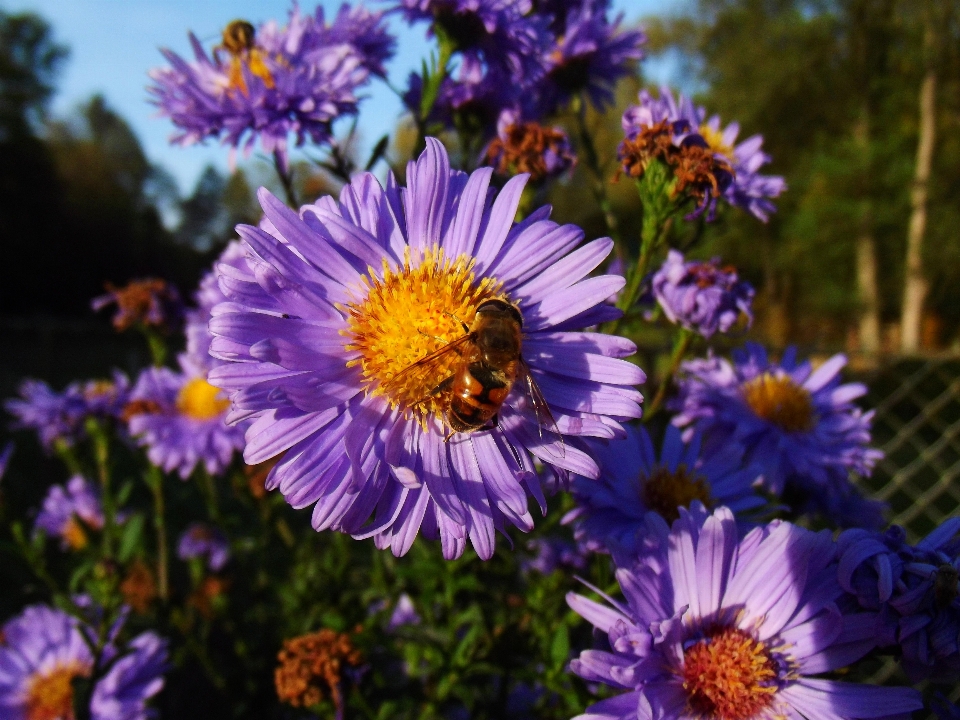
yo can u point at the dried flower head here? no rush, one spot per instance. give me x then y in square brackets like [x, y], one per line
[529, 147]
[311, 666]
[151, 302]
[138, 587]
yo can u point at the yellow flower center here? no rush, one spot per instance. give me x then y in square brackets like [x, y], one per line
[777, 399]
[74, 535]
[715, 140]
[200, 400]
[665, 492]
[729, 676]
[50, 696]
[409, 314]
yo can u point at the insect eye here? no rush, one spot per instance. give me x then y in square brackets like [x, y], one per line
[502, 307]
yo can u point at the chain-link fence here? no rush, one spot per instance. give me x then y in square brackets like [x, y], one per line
[917, 425]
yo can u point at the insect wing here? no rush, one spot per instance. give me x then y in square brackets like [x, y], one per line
[424, 364]
[539, 403]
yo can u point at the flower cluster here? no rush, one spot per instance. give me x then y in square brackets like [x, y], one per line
[272, 81]
[797, 423]
[204, 542]
[914, 589]
[60, 417]
[701, 296]
[45, 650]
[718, 627]
[523, 56]
[705, 164]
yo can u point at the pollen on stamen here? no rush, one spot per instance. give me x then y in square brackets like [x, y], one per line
[779, 400]
[729, 675]
[413, 311]
[665, 491]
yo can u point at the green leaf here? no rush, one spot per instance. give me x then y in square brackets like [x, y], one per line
[130, 540]
[560, 647]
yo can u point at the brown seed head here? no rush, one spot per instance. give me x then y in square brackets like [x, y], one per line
[654, 142]
[696, 169]
[523, 150]
[311, 667]
[138, 587]
[149, 302]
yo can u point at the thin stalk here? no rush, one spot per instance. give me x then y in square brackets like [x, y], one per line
[208, 486]
[432, 83]
[592, 158]
[652, 233]
[101, 453]
[286, 178]
[680, 348]
[155, 482]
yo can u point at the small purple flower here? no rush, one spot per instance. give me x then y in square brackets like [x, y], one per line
[914, 588]
[701, 296]
[54, 416]
[799, 425]
[749, 190]
[589, 56]
[499, 34]
[180, 419]
[403, 614]
[203, 541]
[634, 482]
[271, 82]
[718, 627]
[44, 650]
[335, 304]
[68, 511]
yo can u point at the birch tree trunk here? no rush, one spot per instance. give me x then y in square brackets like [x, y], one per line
[867, 284]
[915, 282]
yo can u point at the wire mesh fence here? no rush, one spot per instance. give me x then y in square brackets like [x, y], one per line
[917, 425]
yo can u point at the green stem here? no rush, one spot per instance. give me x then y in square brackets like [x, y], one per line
[432, 83]
[286, 179]
[653, 231]
[680, 348]
[208, 486]
[157, 345]
[154, 480]
[592, 158]
[101, 452]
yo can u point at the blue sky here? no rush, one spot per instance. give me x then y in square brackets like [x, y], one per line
[114, 43]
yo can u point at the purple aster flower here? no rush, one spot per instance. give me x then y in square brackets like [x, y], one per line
[44, 650]
[749, 190]
[69, 511]
[716, 627]
[327, 327]
[202, 541]
[633, 482]
[207, 295]
[501, 34]
[363, 31]
[54, 416]
[701, 296]
[589, 56]
[799, 425]
[529, 147]
[179, 417]
[271, 82]
[106, 398]
[553, 553]
[915, 590]
[403, 614]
